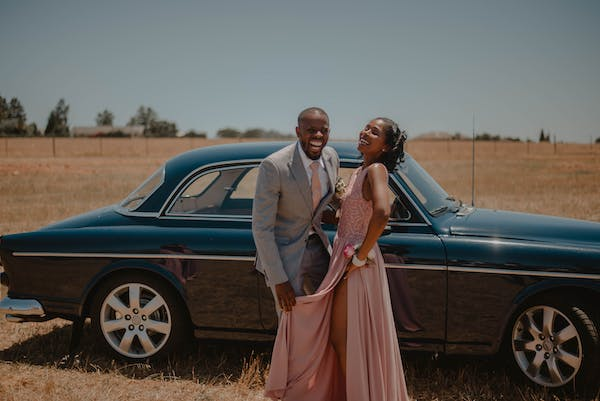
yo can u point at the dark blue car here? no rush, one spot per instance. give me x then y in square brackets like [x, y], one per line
[177, 255]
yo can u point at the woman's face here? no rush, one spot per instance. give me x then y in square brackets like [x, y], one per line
[371, 140]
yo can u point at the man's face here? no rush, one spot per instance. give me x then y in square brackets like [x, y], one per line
[313, 133]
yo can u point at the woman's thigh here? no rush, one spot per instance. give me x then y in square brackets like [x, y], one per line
[339, 315]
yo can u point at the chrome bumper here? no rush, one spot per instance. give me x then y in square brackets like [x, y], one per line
[21, 310]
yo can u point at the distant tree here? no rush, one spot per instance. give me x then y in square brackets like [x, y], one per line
[195, 134]
[228, 133]
[161, 128]
[144, 116]
[58, 120]
[598, 140]
[544, 138]
[3, 109]
[16, 111]
[276, 135]
[254, 133]
[32, 130]
[487, 137]
[105, 117]
[13, 120]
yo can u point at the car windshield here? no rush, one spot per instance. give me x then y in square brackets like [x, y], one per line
[430, 194]
[137, 197]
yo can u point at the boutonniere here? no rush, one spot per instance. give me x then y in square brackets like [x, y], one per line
[340, 187]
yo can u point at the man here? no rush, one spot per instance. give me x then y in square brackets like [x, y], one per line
[294, 186]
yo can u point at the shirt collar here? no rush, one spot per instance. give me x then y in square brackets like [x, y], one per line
[306, 161]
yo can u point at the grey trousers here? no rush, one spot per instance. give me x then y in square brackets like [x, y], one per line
[312, 271]
[313, 267]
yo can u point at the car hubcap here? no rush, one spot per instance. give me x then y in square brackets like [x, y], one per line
[547, 346]
[135, 320]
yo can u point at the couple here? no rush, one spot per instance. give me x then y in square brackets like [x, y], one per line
[336, 338]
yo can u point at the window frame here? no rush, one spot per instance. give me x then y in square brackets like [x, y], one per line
[192, 178]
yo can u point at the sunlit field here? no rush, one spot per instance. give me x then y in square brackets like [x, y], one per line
[45, 181]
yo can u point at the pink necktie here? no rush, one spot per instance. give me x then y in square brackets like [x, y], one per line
[315, 184]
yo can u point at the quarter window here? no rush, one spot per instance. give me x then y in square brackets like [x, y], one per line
[137, 197]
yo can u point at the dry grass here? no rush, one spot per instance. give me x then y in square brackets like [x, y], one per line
[37, 188]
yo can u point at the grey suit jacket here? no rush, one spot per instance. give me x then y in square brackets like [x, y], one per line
[282, 212]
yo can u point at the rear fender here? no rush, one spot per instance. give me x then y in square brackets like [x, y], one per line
[128, 266]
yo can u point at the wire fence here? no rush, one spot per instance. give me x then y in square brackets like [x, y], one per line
[143, 147]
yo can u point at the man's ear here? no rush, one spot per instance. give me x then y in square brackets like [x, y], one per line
[298, 132]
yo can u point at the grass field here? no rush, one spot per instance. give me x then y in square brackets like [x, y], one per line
[44, 182]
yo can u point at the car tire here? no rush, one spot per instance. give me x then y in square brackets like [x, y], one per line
[139, 317]
[556, 345]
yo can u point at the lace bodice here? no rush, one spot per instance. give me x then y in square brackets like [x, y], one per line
[356, 211]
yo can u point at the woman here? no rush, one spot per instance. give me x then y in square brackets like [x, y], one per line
[340, 343]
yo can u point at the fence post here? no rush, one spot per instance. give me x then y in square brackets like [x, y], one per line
[6, 146]
[53, 146]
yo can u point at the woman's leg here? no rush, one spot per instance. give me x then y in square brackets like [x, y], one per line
[339, 322]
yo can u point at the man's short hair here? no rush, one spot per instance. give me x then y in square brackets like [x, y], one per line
[311, 110]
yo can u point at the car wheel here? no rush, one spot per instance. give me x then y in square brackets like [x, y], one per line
[555, 345]
[139, 317]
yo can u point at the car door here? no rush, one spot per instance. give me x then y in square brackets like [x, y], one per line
[416, 268]
[212, 212]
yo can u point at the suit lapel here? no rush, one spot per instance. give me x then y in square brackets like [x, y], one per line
[331, 174]
[299, 174]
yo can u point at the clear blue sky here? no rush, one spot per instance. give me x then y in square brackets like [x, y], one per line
[518, 65]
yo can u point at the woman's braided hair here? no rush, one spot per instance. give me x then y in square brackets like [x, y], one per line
[394, 138]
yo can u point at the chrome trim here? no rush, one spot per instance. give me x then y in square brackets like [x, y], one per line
[21, 307]
[415, 267]
[484, 270]
[457, 269]
[219, 217]
[133, 256]
[403, 224]
[125, 212]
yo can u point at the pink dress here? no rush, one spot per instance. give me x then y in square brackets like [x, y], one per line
[304, 365]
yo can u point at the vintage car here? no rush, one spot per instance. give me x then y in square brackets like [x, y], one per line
[177, 254]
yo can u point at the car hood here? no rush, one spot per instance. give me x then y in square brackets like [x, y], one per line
[533, 227]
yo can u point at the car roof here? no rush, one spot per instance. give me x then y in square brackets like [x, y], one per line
[184, 163]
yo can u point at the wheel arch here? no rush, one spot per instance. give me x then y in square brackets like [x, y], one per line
[579, 290]
[125, 267]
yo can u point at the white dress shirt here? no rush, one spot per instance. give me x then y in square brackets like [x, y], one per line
[323, 177]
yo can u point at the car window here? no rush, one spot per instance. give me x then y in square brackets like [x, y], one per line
[137, 197]
[228, 191]
[424, 187]
[398, 210]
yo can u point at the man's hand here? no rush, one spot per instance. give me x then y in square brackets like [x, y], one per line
[285, 296]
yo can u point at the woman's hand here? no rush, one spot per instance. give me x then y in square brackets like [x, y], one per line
[352, 267]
